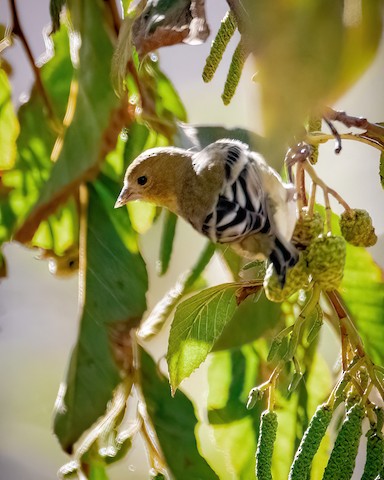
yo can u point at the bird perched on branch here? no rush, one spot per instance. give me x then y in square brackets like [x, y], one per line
[226, 192]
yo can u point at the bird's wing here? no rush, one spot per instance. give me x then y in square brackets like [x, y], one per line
[241, 207]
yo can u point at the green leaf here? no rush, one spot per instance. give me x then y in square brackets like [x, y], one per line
[60, 231]
[175, 422]
[254, 318]
[114, 296]
[198, 323]
[85, 142]
[9, 125]
[163, 106]
[37, 138]
[160, 313]
[363, 291]
[136, 143]
[167, 238]
[233, 429]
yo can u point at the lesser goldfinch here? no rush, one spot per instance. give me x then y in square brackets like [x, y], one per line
[226, 192]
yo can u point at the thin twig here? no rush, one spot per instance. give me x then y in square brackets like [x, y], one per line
[318, 138]
[350, 121]
[18, 31]
[354, 339]
[115, 15]
[315, 179]
[300, 188]
[336, 135]
[312, 199]
[328, 211]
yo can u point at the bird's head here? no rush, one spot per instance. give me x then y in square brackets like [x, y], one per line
[152, 176]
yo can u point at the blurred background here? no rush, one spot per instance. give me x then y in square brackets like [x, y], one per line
[39, 313]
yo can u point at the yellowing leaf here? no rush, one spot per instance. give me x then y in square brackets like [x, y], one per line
[142, 215]
[9, 126]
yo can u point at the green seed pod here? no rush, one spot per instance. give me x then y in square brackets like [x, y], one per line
[234, 73]
[297, 278]
[267, 437]
[308, 227]
[341, 463]
[310, 443]
[375, 454]
[326, 260]
[356, 227]
[223, 36]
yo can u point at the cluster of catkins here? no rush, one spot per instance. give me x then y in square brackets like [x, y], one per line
[322, 256]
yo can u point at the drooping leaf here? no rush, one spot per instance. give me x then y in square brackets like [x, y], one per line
[175, 422]
[114, 298]
[198, 323]
[97, 119]
[9, 125]
[363, 291]
[305, 55]
[166, 245]
[160, 313]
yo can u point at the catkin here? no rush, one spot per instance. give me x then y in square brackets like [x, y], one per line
[224, 34]
[234, 73]
[310, 443]
[375, 455]
[267, 437]
[341, 463]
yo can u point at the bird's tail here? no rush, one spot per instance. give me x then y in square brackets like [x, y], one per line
[283, 256]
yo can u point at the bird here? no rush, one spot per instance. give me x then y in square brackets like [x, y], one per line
[226, 191]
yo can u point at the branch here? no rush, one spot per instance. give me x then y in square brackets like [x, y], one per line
[350, 334]
[349, 121]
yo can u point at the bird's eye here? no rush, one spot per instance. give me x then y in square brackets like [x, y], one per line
[142, 180]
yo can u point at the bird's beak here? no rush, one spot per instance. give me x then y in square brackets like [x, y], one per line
[123, 198]
[126, 195]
